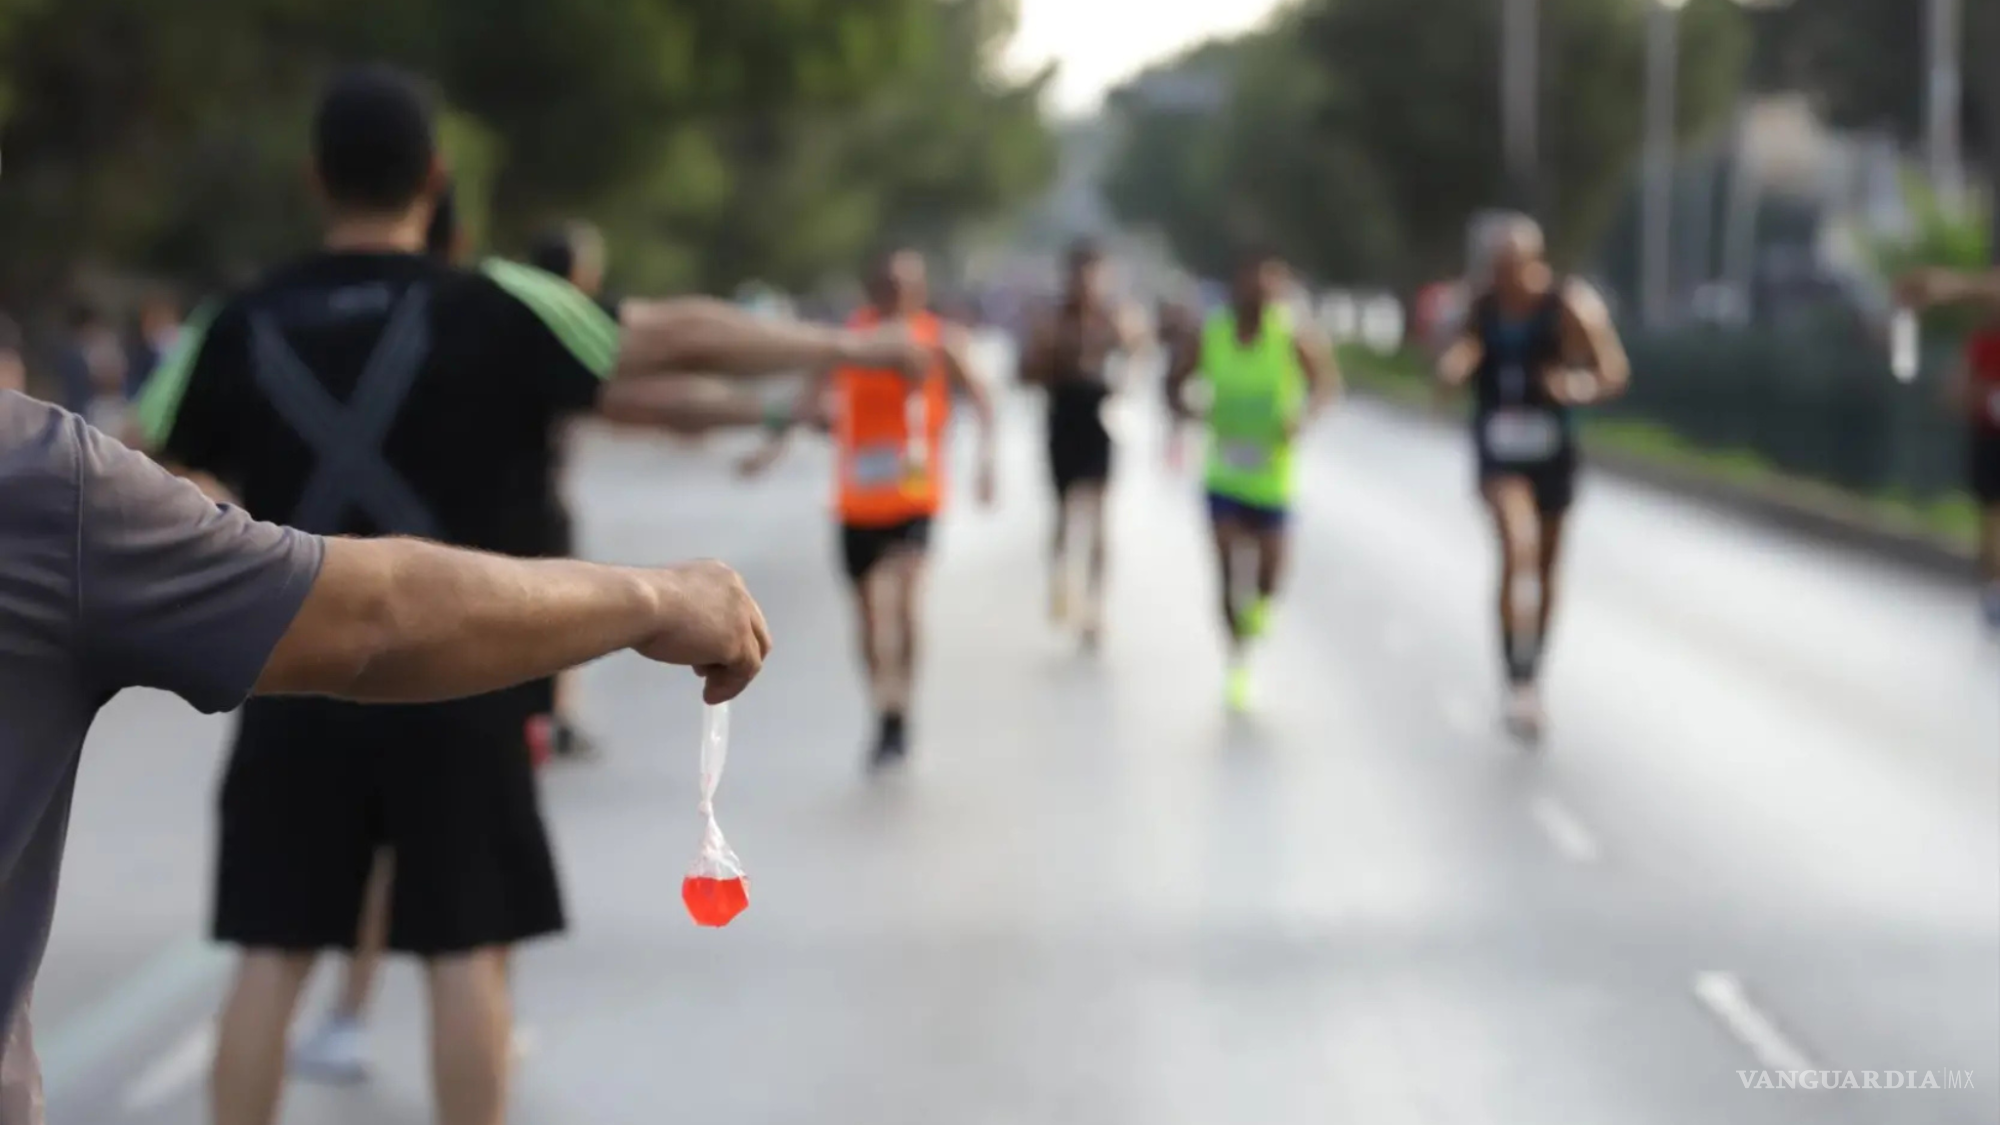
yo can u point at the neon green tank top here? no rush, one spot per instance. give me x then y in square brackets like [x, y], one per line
[1258, 390]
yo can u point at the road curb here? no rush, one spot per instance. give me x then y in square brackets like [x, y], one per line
[1792, 509]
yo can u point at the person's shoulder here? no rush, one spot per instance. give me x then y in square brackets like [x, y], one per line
[29, 426]
[1582, 299]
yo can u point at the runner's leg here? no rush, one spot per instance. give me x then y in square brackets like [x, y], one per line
[1059, 568]
[1511, 500]
[365, 966]
[1552, 525]
[1087, 497]
[249, 1071]
[471, 1036]
[338, 1049]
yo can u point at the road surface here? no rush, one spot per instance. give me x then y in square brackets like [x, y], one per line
[1764, 835]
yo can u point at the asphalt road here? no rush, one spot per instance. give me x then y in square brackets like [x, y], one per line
[1764, 834]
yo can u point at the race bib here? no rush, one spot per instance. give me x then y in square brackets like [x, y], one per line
[1523, 435]
[1246, 456]
[879, 466]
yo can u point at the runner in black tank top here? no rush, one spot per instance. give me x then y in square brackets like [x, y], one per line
[1071, 356]
[1533, 347]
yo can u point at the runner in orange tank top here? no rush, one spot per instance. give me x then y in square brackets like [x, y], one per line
[1974, 390]
[890, 481]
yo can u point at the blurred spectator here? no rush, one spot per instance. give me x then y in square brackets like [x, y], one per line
[13, 372]
[92, 367]
[159, 327]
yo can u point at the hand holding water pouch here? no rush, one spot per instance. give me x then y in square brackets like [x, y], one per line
[715, 890]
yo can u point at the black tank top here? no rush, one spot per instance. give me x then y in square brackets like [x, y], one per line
[1517, 355]
[1079, 384]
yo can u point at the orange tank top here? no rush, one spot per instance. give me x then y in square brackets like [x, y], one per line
[889, 436]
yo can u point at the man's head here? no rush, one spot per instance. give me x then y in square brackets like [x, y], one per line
[1261, 277]
[1517, 256]
[574, 252]
[1084, 271]
[898, 282]
[375, 147]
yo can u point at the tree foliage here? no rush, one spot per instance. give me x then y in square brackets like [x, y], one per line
[1363, 134]
[715, 140]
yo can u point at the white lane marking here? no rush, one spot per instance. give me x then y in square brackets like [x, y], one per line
[1723, 995]
[1564, 830]
[176, 1071]
[1459, 714]
[1399, 638]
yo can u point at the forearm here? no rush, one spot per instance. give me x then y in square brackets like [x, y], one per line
[403, 621]
[682, 405]
[698, 334]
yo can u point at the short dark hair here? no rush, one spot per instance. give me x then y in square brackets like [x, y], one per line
[554, 251]
[374, 139]
[1083, 252]
[10, 334]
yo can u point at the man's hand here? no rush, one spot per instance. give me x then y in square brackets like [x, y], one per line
[891, 346]
[714, 626]
[1572, 386]
[759, 462]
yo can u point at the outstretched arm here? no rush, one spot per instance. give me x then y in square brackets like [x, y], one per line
[952, 352]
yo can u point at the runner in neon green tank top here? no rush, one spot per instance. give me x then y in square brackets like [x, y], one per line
[1266, 378]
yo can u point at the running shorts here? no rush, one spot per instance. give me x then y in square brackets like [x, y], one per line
[1985, 466]
[1079, 452]
[863, 547]
[1256, 518]
[1553, 478]
[315, 787]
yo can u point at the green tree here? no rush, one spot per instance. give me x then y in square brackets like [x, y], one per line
[1364, 134]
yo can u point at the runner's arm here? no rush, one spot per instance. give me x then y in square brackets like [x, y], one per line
[1591, 345]
[1182, 359]
[1928, 287]
[700, 334]
[952, 351]
[1460, 360]
[688, 404]
[404, 621]
[1038, 354]
[1322, 371]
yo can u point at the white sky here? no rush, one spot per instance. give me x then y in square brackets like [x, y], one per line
[1102, 42]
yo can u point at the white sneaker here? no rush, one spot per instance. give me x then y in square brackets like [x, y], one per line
[337, 1052]
[1524, 713]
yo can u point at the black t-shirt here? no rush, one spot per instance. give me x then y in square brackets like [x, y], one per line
[494, 357]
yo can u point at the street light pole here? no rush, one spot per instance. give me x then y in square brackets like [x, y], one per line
[1942, 101]
[1662, 58]
[1520, 100]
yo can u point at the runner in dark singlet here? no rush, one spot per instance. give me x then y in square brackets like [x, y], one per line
[1975, 393]
[1071, 356]
[1533, 347]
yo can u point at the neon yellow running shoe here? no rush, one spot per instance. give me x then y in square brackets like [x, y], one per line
[1238, 688]
[1256, 618]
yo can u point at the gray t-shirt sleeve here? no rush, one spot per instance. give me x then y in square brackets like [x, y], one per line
[175, 591]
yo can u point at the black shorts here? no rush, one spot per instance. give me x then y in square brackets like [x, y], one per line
[1985, 467]
[1554, 479]
[315, 787]
[1079, 452]
[862, 547]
